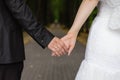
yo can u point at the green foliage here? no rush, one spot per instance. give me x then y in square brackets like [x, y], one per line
[91, 18]
[57, 8]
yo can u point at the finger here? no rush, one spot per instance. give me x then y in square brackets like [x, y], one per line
[58, 50]
[63, 47]
[60, 46]
[53, 46]
[61, 50]
[55, 51]
[53, 54]
[64, 44]
[70, 50]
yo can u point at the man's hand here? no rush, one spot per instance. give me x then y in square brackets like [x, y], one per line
[57, 47]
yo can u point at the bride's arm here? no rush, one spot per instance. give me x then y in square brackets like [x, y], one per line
[83, 13]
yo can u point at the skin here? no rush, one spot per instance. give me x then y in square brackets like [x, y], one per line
[57, 46]
[84, 11]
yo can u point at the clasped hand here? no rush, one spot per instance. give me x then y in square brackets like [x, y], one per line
[63, 46]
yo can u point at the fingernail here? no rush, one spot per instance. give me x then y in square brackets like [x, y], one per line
[68, 54]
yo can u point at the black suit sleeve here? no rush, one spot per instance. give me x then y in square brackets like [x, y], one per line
[22, 13]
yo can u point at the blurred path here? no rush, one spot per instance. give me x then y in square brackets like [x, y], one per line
[39, 64]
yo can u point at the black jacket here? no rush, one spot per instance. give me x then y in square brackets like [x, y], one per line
[15, 16]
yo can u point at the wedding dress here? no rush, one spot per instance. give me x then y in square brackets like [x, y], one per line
[102, 55]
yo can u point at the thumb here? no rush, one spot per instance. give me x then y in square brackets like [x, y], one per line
[70, 50]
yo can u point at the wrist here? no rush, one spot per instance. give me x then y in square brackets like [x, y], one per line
[74, 33]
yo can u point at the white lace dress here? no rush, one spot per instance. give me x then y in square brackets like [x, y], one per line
[102, 57]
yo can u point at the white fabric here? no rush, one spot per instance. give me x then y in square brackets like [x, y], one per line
[102, 55]
[114, 22]
[115, 13]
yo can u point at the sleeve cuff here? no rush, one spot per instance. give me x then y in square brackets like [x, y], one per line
[44, 38]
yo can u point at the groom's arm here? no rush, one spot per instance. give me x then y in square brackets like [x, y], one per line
[23, 15]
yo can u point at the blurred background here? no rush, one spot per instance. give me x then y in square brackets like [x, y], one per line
[58, 12]
[57, 16]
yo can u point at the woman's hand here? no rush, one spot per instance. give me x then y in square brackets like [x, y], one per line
[69, 40]
[57, 46]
